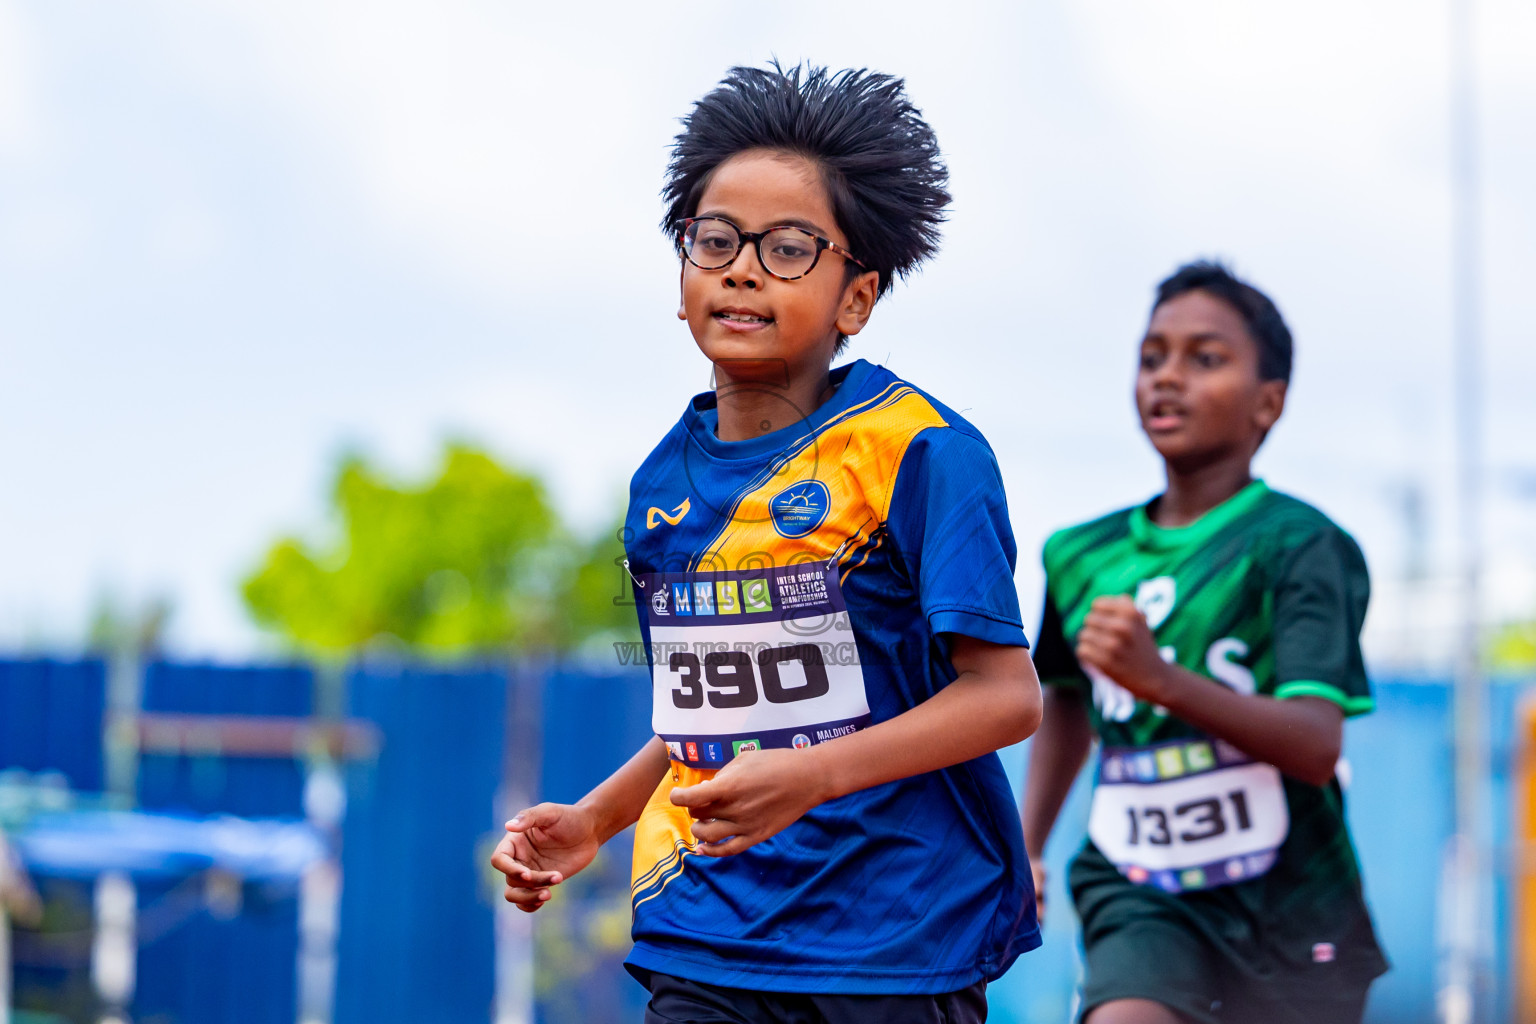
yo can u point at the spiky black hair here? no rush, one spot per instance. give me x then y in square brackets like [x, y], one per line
[1258, 311]
[879, 159]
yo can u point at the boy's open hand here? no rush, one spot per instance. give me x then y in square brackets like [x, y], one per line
[544, 845]
[1116, 640]
[759, 794]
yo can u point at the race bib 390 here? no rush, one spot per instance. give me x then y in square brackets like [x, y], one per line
[751, 660]
[1192, 814]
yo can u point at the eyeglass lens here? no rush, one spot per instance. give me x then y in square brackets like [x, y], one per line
[711, 244]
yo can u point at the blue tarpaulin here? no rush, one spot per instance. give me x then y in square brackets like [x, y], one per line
[84, 844]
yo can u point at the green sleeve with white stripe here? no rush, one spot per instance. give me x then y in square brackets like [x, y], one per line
[1320, 597]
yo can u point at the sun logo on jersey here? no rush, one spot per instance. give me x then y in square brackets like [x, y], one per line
[800, 508]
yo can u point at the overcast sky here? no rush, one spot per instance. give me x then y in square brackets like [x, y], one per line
[238, 237]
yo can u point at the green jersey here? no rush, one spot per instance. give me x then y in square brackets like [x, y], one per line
[1265, 595]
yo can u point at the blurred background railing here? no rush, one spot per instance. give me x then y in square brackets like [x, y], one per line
[269, 844]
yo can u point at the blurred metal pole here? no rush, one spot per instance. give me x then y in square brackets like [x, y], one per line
[120, 740]
[1465, 931]
[522, 781]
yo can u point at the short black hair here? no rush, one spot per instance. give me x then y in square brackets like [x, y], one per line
[879, 159]
[1259, 313]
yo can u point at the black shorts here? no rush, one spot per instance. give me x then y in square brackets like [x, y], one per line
[680, 1001]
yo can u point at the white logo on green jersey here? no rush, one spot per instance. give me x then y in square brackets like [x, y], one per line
[1219, 663]
[1155, 599]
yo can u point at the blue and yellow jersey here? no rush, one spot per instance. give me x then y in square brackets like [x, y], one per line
[794, 588]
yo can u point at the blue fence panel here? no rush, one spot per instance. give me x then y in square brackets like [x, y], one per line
[77, 704]
[1401, 814]
[51, 718]
[23, 712]
[593, 722]
[417, 940]
[201, 965]
[252, 787]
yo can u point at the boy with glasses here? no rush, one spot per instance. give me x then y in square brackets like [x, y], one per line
[823, 567]
[1210, 639]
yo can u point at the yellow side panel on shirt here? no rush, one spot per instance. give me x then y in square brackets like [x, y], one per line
[663, 835]
[856, 456]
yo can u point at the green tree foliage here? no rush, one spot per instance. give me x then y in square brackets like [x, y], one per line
[595, 605]
[473, 561]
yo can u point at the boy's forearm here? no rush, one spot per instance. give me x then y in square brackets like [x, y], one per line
[978, 713]
[1300, 736]
[616, 803]
[1055, 758]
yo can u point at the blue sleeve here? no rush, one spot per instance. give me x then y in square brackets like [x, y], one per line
[949, 522]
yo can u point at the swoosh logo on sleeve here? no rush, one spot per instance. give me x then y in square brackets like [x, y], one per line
[654, 517]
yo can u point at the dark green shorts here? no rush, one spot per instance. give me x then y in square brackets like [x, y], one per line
[1199, 956]
[1168, 963]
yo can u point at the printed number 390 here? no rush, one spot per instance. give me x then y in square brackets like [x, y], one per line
[733, 683]
[1197, 820]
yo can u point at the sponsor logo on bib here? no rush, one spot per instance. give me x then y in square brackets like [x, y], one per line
[726, 595]
[682, 599]
[756, 596]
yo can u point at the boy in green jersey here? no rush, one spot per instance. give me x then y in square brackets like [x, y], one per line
[1210, 640]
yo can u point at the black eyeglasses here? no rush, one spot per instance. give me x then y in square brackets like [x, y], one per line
[788, 253]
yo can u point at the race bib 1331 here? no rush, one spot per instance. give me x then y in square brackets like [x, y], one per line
[1192, 814]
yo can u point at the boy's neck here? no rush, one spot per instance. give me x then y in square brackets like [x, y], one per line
[751, 404]
[1191, 493]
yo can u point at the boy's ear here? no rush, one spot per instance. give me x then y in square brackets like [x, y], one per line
[1270, 405]
[858, 302]
[682, 313]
